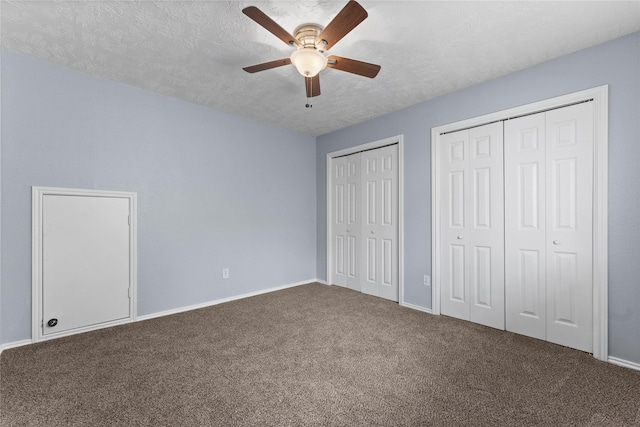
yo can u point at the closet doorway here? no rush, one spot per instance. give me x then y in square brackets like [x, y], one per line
[543, 273]
[364, 218]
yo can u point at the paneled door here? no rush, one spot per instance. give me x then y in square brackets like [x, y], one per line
[554, 204]
[454, 224]
[85, 261]
[346, 222]
[570, 226]
[525, 225]
[472, 225]
[364, 222]
[380, 222]
[549, 228]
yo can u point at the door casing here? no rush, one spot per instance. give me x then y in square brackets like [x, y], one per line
[351, 150]
[38, 194]
[600, 97]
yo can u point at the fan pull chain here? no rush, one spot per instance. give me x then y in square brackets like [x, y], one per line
[308, 105]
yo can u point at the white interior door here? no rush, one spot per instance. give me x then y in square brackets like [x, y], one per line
[354, 223]
[549, 225]
[454, 164]
[555, 204]
[570, 226]
[472, 227]
[346, 221]
[365, 220]
[486, 226]
[525, 224]
[85, 261]
[339, 221]
[379, 203]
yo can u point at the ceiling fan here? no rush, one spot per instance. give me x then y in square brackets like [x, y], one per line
[312, 40]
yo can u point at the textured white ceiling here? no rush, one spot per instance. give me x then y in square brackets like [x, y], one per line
[195, 50]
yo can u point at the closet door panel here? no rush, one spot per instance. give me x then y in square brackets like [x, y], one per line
[486, 225]
[570, 226]
[454, 224]
[370, 202]
[345, 221]
[339, 222]
[525, 230]
[353, 222]
[380, 223]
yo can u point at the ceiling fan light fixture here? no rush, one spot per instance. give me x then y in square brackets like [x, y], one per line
[308, 61]
[312, 41]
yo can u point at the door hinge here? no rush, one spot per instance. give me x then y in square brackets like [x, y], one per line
[129, 292]
[129, 220]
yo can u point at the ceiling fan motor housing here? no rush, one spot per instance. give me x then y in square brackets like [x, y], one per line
[307, 35]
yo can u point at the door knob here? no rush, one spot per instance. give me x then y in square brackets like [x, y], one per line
[459, 237]
[373, 231]
[556, 242]
[348, 231]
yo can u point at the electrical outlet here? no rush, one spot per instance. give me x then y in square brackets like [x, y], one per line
[225, 273]
[427, 280]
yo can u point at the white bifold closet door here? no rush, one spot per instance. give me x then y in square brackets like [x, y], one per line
[365, 222]
[548, 225]
[380, 222]
[472, 225]
[346, 221]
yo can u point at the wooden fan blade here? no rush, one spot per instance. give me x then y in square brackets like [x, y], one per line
[345, 21]
[270, 25]
[313, 85]
[352, 66]
[267, 65]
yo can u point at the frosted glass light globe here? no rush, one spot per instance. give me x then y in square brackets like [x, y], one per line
[308, 61]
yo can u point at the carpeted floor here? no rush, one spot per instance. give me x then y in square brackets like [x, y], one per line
[311, 355]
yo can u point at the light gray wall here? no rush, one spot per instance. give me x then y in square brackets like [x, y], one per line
[617, 64]
[214, 190]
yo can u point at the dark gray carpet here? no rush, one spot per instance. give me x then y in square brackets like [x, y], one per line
[311, 355]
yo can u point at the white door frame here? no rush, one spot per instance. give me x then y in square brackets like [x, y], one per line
[600, 97]
[399, 139]
[37, 194]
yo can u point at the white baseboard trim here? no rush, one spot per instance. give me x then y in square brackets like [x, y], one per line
[416, 307]
[222, 300]
[624, 363]
[323, 282]
[14, 344]
[20, 343]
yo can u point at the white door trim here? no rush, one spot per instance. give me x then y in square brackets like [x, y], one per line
[37, 194]
[600, 97]
[370, 146]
